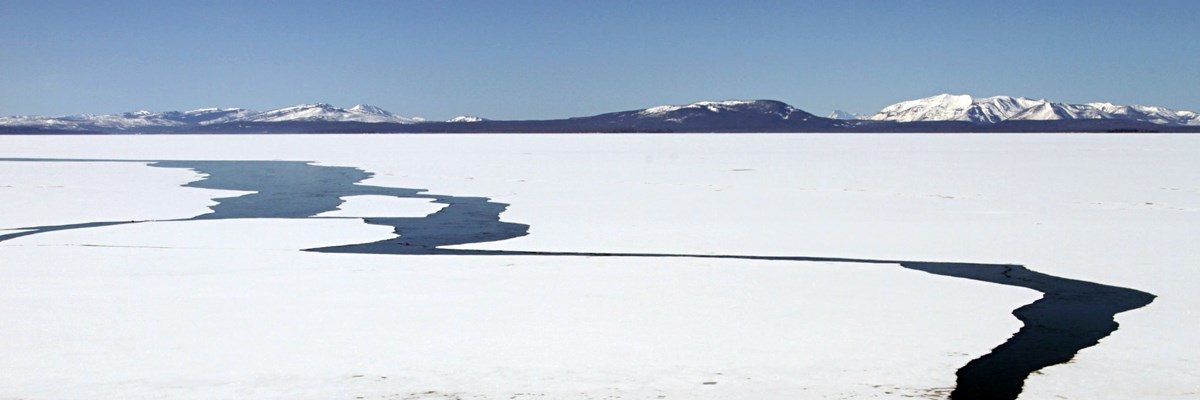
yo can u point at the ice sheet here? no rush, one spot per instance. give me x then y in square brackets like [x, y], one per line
[384, 206]
[1113, 209]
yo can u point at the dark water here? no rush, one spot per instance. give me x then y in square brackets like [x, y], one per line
[1070, 316]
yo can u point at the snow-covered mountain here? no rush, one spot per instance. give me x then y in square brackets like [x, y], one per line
[984, 110]
[1156, 115]
[328, 113]
[942, 113]
[845, 115]
[704, 116]
[131, 120]
[208, 116]
[147, 120]
[756, 108]
[946, 107]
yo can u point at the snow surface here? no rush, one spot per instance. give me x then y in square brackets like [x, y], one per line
[221, 309]
[68, 193]
[384, 206]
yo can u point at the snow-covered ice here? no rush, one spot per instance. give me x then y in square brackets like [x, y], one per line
[218, 309]
[383, 206]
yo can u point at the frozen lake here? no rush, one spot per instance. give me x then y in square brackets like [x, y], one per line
[187, 307]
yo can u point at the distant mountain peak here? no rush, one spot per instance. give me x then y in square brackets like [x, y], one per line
[308, 105]
[369, 109]
[709, 116]
[770, 109]
[714, 106]
[844, 115]
[329, 113]
[950, 107]
[466, 118]
[717, 106]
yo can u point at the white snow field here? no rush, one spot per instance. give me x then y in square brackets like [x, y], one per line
[231, 309]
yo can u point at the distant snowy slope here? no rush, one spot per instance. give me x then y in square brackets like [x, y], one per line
[149, 121]
[466, 118]
[704, 116]
[947, 107]
[40, 122]
[844, 115]
[730, 108]
[1047, 111]
[326, 112]
[206, 116]
[1158, 115]
[130, 120]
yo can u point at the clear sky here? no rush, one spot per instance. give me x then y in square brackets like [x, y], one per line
[548, 59]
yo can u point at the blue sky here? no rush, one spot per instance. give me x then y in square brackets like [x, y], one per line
[548, 59]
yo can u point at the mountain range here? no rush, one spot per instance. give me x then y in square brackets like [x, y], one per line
[941, 113]
[986, 110]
